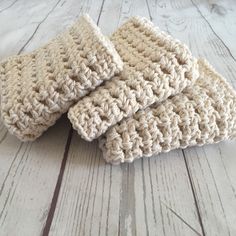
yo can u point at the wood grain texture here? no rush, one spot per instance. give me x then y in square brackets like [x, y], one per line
[60, 185]
[144, 198]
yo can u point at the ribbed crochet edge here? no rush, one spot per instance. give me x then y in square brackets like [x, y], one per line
[152, 28]
[211, 70]
[204, 68]
[103, 40]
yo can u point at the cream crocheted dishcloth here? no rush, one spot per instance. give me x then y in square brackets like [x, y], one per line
[37, 88]
[156, 66]
[203, 113]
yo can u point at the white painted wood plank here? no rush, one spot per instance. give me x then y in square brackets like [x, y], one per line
[29, 171]
[17, 24]
[221, 18]
[86, 182]
[144, 198]
[137, 199]
[5, 5]
[212, 170]
[212, 167]
[28, 179]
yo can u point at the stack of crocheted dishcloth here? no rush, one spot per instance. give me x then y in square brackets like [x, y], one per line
[159, 97]
[156, 66]
[203, 113]
[37, 88]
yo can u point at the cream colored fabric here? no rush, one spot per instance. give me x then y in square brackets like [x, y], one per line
[203, 113]
[156, 66]
[38, 87]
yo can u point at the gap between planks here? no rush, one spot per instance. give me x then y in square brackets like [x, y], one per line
[63, 165]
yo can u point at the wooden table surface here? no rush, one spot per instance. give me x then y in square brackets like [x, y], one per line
[60, 185]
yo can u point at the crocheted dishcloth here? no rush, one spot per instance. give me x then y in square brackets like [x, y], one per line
[202, 114]
[37, 88]
[156, 66]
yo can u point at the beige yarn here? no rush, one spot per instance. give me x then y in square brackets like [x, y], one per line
[156, 66]
[37, 88]
[202, 114]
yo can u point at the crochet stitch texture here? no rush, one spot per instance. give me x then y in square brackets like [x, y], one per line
[37, 88]
[203, 113]
[156, 66]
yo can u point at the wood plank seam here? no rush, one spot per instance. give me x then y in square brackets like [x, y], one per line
[217, 191]
[12, 4]
[227, 174]
[58, 186]
[144, 196]
[63, 164]
[210, 26]
[181, 218]
[194, 194]
[3, 185]
[4, 181]
[149, 10]
[191, 184]
[36, 29]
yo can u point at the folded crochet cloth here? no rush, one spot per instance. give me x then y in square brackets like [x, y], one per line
[156, 66]
[202, 114]
[38, 87]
